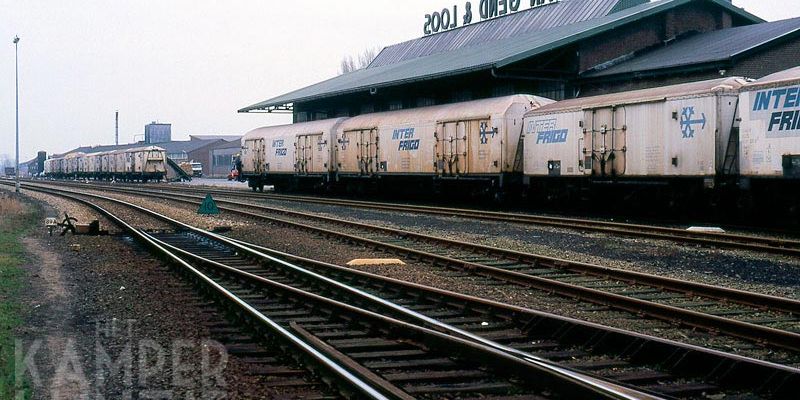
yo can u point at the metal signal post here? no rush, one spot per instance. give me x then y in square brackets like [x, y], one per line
[16, 76]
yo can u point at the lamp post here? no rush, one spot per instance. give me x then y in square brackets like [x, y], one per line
[16, 76]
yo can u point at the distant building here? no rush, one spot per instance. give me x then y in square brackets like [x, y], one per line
[35, 166]
[155, 133]
[217, 155]
[227, 138]
[183, 151]
[222, 156]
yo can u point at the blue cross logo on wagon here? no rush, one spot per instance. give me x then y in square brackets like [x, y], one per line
[485, 131]
[688, 124]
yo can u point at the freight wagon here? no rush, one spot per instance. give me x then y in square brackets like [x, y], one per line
[137, 164]
[145, 164]
[296, 155]
[769, 155]
[676, 140]
[472, 144]
[70, 165]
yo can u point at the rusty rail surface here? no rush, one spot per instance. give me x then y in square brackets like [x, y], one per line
[458, 358]
[772, 245]
[558, 276]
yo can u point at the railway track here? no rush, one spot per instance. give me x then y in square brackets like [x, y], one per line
[763, 319]
[721, 240]
[772, 245]
[372, 355]
[651, 365]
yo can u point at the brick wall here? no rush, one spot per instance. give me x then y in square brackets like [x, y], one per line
[763, 63]
[756, 65]
[644, 83]
[620, 42]
[651, 31]
[687, 19]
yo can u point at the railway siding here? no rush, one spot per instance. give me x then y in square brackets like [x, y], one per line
[684, 302]
[497, 289]
[499, 361]
[244, 264]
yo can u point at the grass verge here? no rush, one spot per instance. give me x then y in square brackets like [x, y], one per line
[16, 218]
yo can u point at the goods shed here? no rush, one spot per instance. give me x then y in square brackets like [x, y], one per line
[563, 49]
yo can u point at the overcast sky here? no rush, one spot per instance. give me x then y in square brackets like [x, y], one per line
[192, 63]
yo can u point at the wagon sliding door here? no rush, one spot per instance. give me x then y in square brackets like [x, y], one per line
[358, 151]
[452, 141]
[256, 148]
[302, 154]
[604, 141]
[310, 154]
[369, 151]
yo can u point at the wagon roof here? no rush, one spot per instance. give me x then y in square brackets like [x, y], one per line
[445, 112]
[325, 125]
[788, 76]
[646, 95]
[145, 148]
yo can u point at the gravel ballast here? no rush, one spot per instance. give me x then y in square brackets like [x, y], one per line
[101, 312]
[313, 246]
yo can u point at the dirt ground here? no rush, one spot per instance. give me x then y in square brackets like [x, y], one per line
[104, 320]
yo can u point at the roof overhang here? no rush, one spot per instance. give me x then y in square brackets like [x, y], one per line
[359, 81]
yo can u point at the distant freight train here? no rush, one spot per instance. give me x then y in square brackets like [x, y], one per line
[719, 137]
[141, 164]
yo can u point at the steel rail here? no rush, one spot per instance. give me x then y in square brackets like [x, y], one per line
[752, 332]
[451, 336]
[702, 358]
[759, 243]
[344, 375]
[774, 245]
[768, 371]
[736, 296]
[790, 247]
[713, 239]
[583, 385]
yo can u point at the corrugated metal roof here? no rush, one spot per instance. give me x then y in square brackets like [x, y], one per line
[479, 57]
[707, 47]
[507, 26]
[100, 149]
[188, 146]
